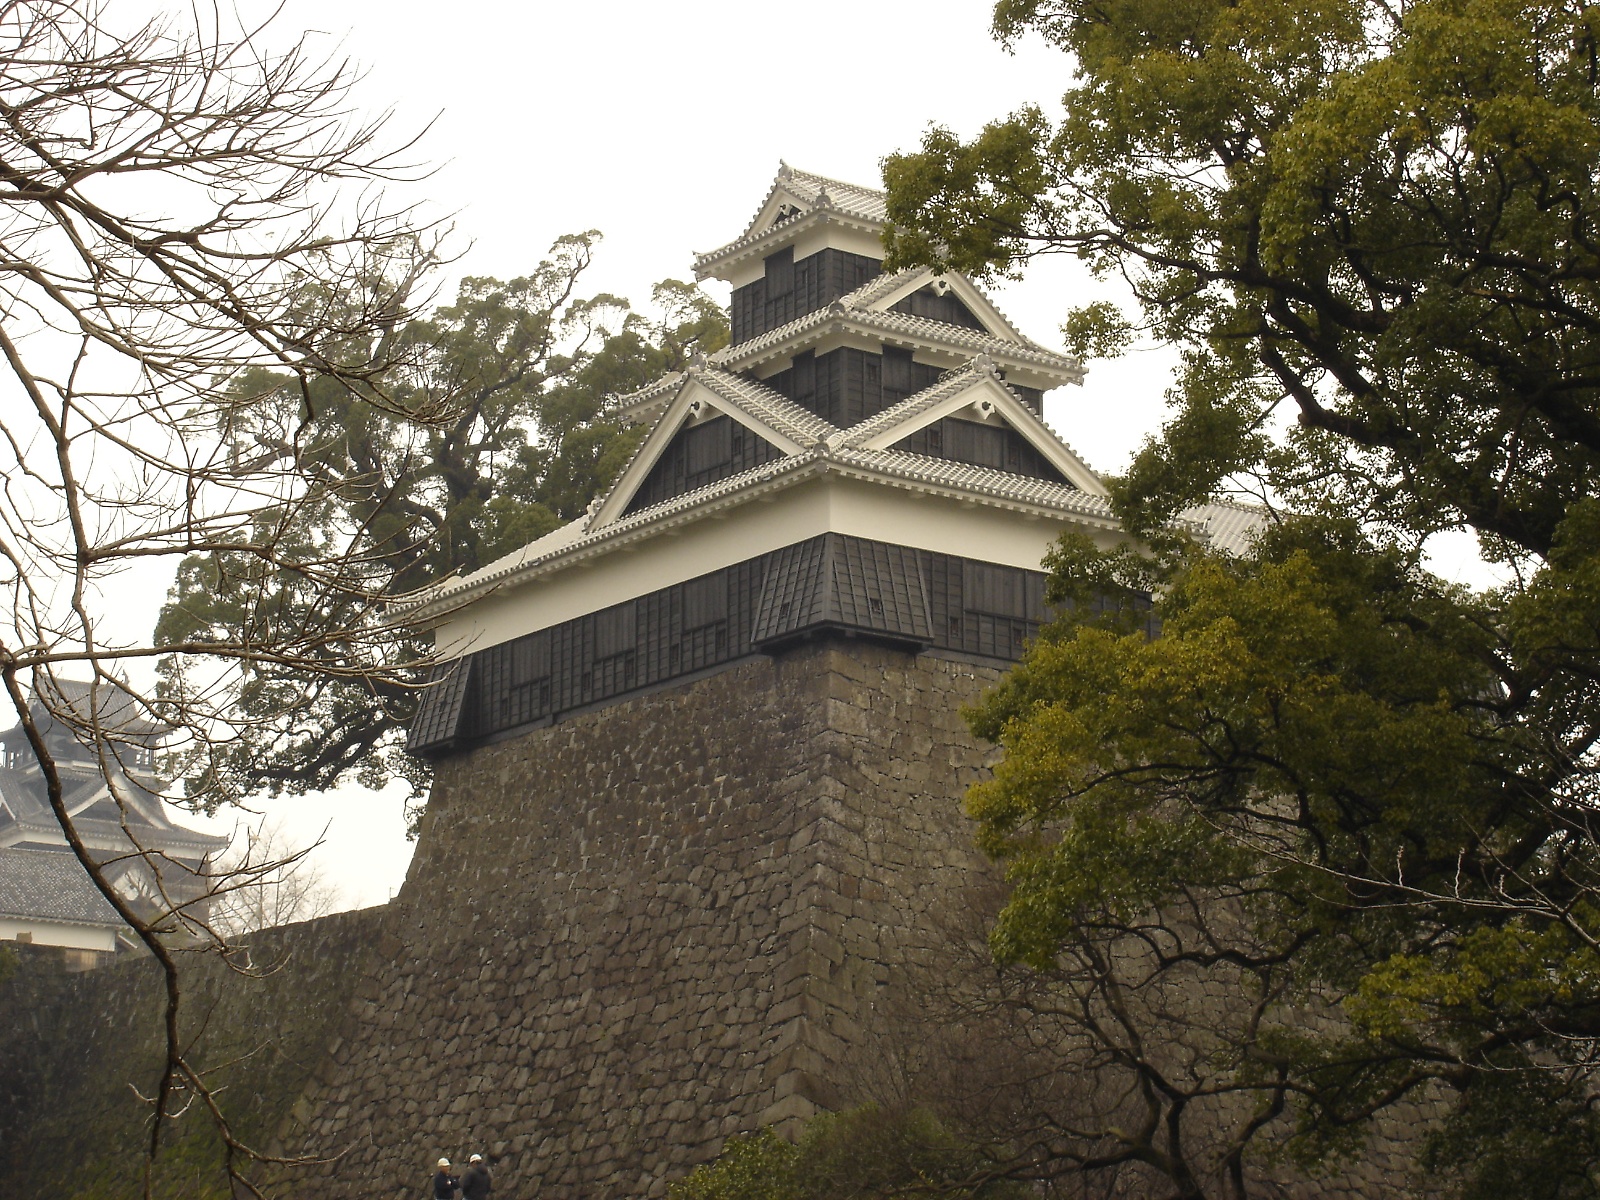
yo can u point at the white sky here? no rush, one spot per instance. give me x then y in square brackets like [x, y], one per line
[663, 125]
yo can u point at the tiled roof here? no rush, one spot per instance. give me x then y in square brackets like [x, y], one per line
[953, 384]
[877, 288]
[781, 414]
[80, 703]
[50, 885]
[795, 422]
[919, 471]
[934, 333]
[644, 402]
[880, 286]
[987, 481]
[818, 194]
[1231, 527]
[870, 203]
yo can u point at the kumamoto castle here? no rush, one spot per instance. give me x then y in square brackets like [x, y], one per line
[695, 860]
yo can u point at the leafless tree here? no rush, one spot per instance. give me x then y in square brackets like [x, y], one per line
[180, 204]
[266, 882]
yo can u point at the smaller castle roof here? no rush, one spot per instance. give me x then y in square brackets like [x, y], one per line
[79, 705]
[798, 195]
[51, 885]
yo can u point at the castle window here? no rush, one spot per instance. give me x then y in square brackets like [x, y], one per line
[616, 630]
[705, 601]
[780, 273]
[992, 590]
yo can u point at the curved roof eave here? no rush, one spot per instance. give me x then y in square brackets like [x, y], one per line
[978, 485]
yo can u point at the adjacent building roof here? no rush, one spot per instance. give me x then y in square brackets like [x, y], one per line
[51, 885]
[81, 705]
[141, 820]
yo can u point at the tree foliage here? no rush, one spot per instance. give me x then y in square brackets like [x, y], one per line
[494, 431]
[868, 1151]
[1383, 213]
[1371, 792]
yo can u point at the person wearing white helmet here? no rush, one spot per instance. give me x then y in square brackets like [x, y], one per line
[476, 1184]
[444, 1183]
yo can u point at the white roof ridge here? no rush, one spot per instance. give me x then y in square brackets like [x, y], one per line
[842, 194]
[926, 469]
[879, 285]
[496, 573]
[978, 339]
[794, 421]
[951, 383]
[937, 333]
[624, 400]
[820, 192]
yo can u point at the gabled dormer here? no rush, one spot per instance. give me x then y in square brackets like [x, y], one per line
[717, 426]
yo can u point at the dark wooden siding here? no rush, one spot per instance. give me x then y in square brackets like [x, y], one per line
[997, 446]
[847, 386]
[826, 585]
[925, 302]
[792, 289]
[702, 454]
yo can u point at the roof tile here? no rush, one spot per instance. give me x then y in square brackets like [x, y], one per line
[50, 885]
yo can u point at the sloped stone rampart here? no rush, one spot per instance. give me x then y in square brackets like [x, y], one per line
[78, 1049]
[638, 931]
[624, 937]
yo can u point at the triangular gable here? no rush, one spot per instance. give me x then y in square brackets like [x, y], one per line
[140, 802]
[963, 289]
[982, 390]
[702, 453]
[695, 401]
[782, 204]
[795, 192]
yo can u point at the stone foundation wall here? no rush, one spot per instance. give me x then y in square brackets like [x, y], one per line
[636, 932]
[692, 913]
[77, 1049]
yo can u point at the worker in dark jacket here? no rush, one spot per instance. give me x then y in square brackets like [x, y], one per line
[444, 1183]
[476, 1184]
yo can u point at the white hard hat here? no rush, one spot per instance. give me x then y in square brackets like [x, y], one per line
[444, 1162]
[476, 1158]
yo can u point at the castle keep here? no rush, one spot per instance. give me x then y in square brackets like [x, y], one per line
[695, 838]
[867, 459]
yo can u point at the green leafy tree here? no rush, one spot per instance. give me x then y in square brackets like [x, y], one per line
[867, 1151]
[1382, 213]
[494, 430]
[1379, 790]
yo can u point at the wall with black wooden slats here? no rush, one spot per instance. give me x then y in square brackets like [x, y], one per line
[792, 289]
[846, 386]
[925, 302]
[824, 586]
[997, 446]
[702, 454]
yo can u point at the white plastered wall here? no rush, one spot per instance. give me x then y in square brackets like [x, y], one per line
[830, 504]
[58, 933]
